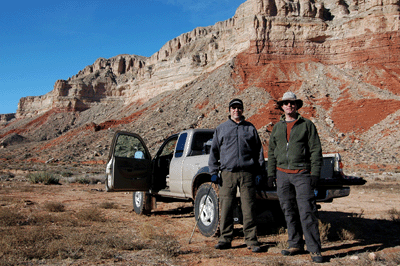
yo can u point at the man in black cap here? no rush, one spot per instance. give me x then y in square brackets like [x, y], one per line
[295, 160]
[237, 152]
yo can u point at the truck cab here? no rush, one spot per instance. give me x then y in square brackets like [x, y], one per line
[170, 173]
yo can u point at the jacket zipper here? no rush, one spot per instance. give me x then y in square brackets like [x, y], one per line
[287, 144]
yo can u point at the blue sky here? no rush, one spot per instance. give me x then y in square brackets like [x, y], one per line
[43, 41]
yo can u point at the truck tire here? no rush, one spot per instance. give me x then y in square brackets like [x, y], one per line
[139, 202]
[208, 223]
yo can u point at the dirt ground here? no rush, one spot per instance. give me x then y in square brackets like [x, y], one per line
[362, 230]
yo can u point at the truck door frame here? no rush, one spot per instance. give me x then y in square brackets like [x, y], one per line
[129, 165]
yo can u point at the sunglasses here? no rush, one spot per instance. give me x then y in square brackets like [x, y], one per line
[287, 102]
[237, 107]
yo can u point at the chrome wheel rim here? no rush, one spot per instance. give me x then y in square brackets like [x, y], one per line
[207, 211]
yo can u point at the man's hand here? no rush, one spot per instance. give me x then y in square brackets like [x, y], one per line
[314, 181]
[271, 181]
[216, 179]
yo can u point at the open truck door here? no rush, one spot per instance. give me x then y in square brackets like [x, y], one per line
[129, 164]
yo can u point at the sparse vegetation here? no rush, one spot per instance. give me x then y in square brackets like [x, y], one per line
[54, 206]
[83, 180]
[98, 228]
[108, 205]
[43, 177]
[324, 231]
[346, 235]
[86, 179]
[394, 215]
[164, 243]
[10, 217]
[66, 174]
[91, 214]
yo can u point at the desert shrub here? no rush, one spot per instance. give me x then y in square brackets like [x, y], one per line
[164, 243]
[394, 215]
[86, 179]
[43, 177]
[94, 179]
[148, 231]
[167, 245]
[124, 243]
[91, 214]
[108, 205]
[54, 207]
[324, 230]
[66, 174]
[346, 235]
[10, 217]
[281, 239]
[22, 243]
[83, 180]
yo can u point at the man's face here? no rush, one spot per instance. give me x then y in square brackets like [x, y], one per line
[236, 111]
[289, 107]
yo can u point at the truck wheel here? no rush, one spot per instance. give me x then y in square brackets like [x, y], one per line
[139, 202]
[208, 209]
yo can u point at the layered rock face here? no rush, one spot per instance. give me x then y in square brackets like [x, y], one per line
[341, 57]
[335, 32]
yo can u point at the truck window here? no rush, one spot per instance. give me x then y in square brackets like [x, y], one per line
[129, 147]
[169, 148]
[200, 143]
[180, 146]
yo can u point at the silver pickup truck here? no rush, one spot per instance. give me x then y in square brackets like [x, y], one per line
[179, 172]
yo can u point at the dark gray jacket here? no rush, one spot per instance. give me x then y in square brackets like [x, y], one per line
[236, 147]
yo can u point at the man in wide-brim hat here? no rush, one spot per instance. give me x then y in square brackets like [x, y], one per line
[294, 161]
[290, 96]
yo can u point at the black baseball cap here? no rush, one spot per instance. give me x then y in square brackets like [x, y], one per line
[235, 101]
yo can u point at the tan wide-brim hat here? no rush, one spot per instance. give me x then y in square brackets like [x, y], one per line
[290, 96]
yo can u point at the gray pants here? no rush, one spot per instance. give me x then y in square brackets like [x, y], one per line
[297, 200]
[227, 194]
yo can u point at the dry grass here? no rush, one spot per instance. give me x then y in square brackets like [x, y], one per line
[108, 205]
[394, 215]
[46, 178]
[280, 239]
[100, 231]
[25, 237]
[346, 235]
[166, 244]
[10, 217]
[324, 231]
[42, 233]
[54, 207]
[91, 214]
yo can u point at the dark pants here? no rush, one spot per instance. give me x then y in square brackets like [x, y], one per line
[227, 194]
[297, 200]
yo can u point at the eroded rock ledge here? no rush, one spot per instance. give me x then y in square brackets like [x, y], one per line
[334, 32]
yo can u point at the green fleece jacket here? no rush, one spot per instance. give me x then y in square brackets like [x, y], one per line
[303, 151]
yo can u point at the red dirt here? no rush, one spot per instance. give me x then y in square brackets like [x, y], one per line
[361, 115]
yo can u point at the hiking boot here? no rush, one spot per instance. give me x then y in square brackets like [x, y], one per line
[254, 248]
[292, 251]
[223, 245]
[317, 257]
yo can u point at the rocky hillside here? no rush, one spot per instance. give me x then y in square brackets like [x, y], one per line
[341, 57]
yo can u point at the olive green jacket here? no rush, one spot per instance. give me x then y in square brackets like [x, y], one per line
[303, 151]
